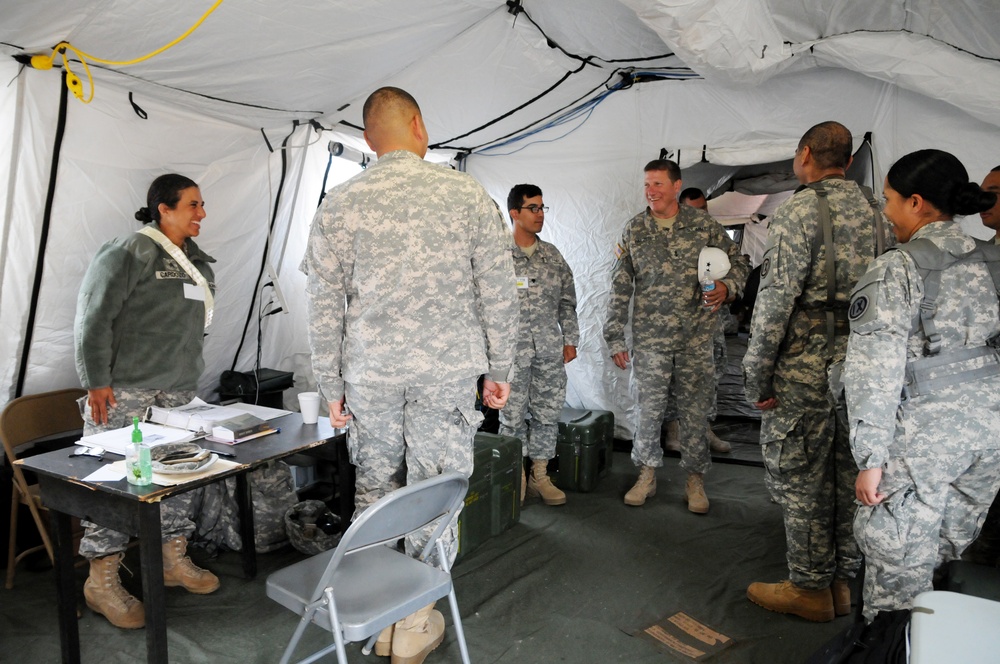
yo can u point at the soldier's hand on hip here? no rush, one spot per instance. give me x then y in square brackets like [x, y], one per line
[866, 487]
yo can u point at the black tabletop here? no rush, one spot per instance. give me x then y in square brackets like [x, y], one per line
[293, 436]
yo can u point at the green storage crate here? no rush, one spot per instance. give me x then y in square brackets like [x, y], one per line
[584, 448]
[506, 480]
[493, 502]
[475, 521]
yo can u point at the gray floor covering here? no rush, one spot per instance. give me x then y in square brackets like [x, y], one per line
[566, 584]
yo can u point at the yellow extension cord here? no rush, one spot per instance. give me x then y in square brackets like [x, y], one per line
[73, 81]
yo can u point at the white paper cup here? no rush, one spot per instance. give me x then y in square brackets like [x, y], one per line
[309, 405]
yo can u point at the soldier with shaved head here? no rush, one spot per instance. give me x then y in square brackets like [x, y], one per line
[819, 243]
[411, 298]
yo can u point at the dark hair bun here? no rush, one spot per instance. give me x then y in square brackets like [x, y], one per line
[968, 198]
[143, 215]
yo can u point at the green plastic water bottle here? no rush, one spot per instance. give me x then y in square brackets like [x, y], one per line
[138, 462]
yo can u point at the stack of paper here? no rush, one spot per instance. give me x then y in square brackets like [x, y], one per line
[118, 441]
[196, 416]
[202, 417]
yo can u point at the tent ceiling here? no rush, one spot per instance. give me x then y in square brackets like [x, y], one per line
[261, 63]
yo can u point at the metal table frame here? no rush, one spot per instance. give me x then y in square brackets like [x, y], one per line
[136, 511]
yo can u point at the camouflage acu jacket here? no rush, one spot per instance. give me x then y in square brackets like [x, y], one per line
[547, 300]
[659, 269]
[410, 279]
[784, 338]
[885, 421]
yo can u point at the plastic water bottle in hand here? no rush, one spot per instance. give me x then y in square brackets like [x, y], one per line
[707, 286]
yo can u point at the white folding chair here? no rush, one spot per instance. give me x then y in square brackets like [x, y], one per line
[363, 586]
[951, 627]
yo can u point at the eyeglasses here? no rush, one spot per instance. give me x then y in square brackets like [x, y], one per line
[535, 209]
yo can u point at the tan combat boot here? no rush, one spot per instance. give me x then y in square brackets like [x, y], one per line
[105, 595]
[695, 492]
[718, 445]
[841, 596]
[383, 645]
[539, 484]
[645, 487]
[417, 635]
[524, 483]
[178, 570]
[786, 597]
[673, 440]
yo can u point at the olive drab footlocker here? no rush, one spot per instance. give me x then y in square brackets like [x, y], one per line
[583, 450]
[493, 502]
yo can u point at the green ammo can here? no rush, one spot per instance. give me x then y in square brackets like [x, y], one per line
[584, 448]
[493, 502]
[506, 481]
[475, 519]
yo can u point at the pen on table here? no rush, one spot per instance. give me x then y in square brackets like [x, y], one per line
[223, 454]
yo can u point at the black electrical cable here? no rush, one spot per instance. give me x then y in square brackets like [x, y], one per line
[444, 144]
[517, 9]
[200, 94]
[326, 174]
[43, 237]
[909, 32]
[267, 243]
[535, 122]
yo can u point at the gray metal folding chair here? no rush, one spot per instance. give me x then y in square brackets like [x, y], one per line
[363, 586]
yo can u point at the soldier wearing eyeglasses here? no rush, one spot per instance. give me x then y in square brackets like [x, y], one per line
[547, 336]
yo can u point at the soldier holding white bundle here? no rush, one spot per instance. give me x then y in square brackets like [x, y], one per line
[672, 330]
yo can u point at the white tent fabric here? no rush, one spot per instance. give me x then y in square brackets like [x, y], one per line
[689, 77]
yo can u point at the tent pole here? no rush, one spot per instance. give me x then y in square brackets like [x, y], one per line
[43, 238]
[267, 246]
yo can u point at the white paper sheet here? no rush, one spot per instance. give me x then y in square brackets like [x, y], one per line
[263, 412]
[118, 441]
[112, 472]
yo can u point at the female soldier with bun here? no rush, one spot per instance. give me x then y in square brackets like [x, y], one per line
[923, 392]
[141, 316]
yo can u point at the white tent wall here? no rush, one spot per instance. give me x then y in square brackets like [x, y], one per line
[258, 64]
[285, 342]
[109, 156]
[592, 179]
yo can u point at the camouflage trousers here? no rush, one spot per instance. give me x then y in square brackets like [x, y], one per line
[652, 372]
[720, 354]
[934, 508]
[177, 512]
[400, 435]
[811, 473]
[538, 389]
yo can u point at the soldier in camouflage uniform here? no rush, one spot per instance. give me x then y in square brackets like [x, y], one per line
[799, 330]
[695, 197]
[547, 336]
[986, 549]
[128, 360]
[923, 391]
[411, 298]
[991, 217]
[672, 325]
